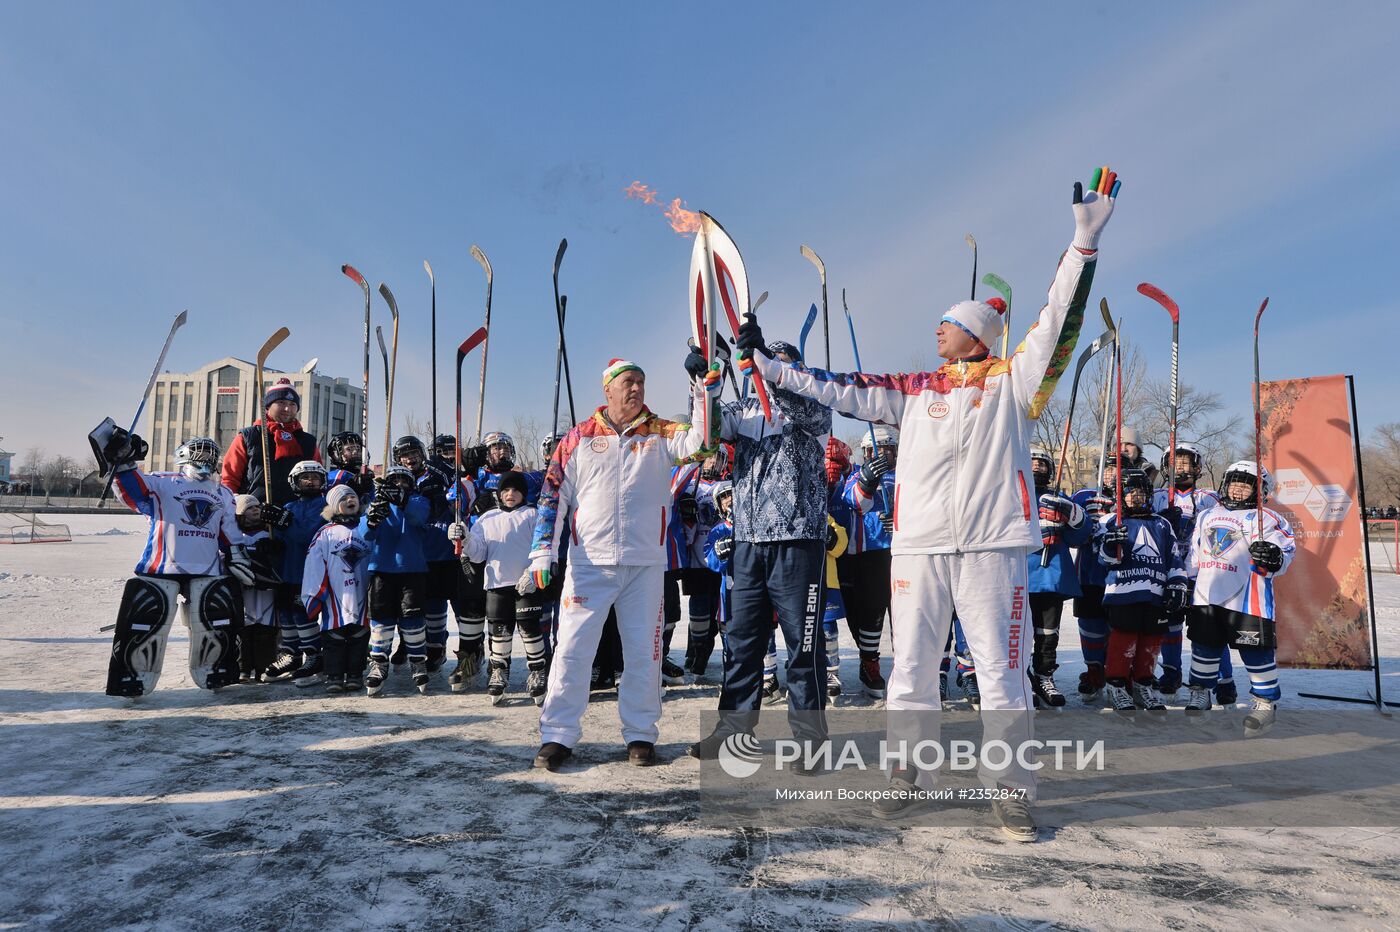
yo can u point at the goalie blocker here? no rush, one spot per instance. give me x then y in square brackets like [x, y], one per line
[212, 610]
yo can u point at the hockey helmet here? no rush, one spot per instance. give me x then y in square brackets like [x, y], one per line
[409, 446]
[1249, 472]
[336, 450]
[885, 436]
[721, 489]
[445, 446]
[198, 458]
[499, 438]
[302, 470]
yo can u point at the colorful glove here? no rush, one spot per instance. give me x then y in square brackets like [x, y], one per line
[1176, 597]
[275, 516]
[527, 583]
[1092, 209]
[714, 380]
[1058, 511]
[542, 570]
[457, 531]
[1266, 556]
[1097, 506]
[871, 471]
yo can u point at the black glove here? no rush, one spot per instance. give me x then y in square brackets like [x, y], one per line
[275, 516]
[377, 512]
[363, 483]
[1172, 514]
[724, 547]
[685, 506]
[485, 500]
[240, 565]
[432, 486]
[870, 473]
[1114, 544]
[1176, 597]
[887, 522]
[695, 364]
[831, 539]
[470, 571]
[750, 337]
[473, 458]
[124, 450]
[1266, 556]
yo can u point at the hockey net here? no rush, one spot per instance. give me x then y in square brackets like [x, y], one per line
[24, 528]
[1383, 544]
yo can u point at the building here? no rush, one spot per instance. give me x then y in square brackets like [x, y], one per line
[5, 457]
[219, 399]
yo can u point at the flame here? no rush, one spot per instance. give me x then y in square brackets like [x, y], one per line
[681, 219]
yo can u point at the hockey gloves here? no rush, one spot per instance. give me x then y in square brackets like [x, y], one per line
[1267, 557]
[378, 510]
[1113, 545]
[275, 516]
[695, 364]
[887, 522]
[724, 548]
[473, 458]
[1097, 506]
[432, 486]
[114, 449]
[685, 506]
[485, 500]
[1093, 208]
[526, 583]
[240, 566]
[1172, 514]
[1059, 512]
[870, 473]
[750, 338]
[1177, 593]
[457, 531]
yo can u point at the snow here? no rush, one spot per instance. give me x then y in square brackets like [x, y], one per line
[263, 807]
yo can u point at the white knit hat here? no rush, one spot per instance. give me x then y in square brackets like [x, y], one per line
[979, 319]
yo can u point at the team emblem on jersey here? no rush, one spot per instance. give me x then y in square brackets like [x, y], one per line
[1145, 546]
[939, 409]
[1221, 539]
[598, 444]
[199, 510]
[352, 552]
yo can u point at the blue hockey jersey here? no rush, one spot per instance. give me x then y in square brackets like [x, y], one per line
[397, 542]
[1149, 562]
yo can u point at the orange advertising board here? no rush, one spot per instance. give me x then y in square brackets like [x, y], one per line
[1309, 447]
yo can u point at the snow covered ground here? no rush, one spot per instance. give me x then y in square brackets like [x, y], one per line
[262, 807]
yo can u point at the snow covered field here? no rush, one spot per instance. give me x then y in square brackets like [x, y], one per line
[262, 807]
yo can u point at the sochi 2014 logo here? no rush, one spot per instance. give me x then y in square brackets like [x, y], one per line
[740, 755]
[939, 409]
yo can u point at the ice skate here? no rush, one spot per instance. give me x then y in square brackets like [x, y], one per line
[943, 687]
[772, 692]
[967, 682]
[1198, 702]
[309, 673]
[335, 684]
[833, 684]
[1260, 718]
[1120, 700]
[499, 680]
[378, 675]
[463, 676]
[1145, 698]
[418, 670]
[672, 674]
[1047, 694]
[536, 684]
[287, 663]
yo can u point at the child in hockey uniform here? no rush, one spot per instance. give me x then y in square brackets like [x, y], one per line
[193, 524]
[1092, 574]
[445, 579]
[839, 515]
[257, 642]
[500, 540]
[719, 549]
[1180, 505]
[334, 591]
[1238, 549]
[1062, 526]
[393, 525]
[1145, 582]
[346, 452]
[296, 524]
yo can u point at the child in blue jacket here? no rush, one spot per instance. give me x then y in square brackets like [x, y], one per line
[1053, 577]
[395, 526]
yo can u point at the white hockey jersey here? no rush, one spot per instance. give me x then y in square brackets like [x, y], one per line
[1220, 554]
[501, 540]
[1191, 503]
[334, 585]
[964, 481]
[258, 604]
[191, 521]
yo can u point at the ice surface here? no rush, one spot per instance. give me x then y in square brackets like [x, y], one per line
[262, 807]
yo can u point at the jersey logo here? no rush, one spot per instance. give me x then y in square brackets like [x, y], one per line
[199, 510]
[1145, 546]
[352, 552]
[1221, 539]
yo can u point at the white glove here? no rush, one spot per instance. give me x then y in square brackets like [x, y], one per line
[457, 531]
[1092, 210]
[526, 584]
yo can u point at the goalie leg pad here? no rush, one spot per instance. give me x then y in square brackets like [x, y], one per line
[143, 625]
[214, 615]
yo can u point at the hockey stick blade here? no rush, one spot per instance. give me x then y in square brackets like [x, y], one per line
[1156, 294]
[389, 299]
[480, 256]
[759, 303]
[179, 322]
[559, 258]
[354, 275]
[810, 255]
[271, 344]
[471, 343]
[998, 284]
[806, 329]
[429, 269]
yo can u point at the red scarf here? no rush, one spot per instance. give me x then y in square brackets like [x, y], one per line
[284, 438]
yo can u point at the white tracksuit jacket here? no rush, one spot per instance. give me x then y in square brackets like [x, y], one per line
[964, 482]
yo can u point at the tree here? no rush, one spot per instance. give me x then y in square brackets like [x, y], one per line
[1380, 462]
[57, 473]
[527, 432]
[33, 463]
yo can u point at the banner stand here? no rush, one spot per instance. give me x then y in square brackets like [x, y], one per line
[1376, 699]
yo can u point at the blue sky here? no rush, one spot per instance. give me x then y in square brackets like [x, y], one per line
[228, 158]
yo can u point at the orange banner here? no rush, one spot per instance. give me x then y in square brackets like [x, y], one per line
[1309, 447]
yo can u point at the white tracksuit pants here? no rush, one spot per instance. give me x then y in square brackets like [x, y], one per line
[588, 593]
[989, 591]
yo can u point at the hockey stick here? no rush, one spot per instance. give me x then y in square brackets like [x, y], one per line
[1258, 444]
[480, 256]
[855, 351]
[816, 260]
[725, 264]
[702, 313]
[1107, 388]
[559, 362]
[998, 284]
[1160, 296]
[973, 243]
[150, 383]
[1093, 348]
[432, 341]
[359, 279]
[806, 329]
[392, 370]
[469, 344]
[383, 354]
[759, 303]
[1118, 441]
[267, 348]
[563, 348]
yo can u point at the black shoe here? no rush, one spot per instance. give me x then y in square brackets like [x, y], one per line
[354, 682]
[309, 673]
[284, 666]
[707, 748]
[335, 684]
[400, 656]
[871, 679]
[602, 681]
[552, 756]
[641, 753]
